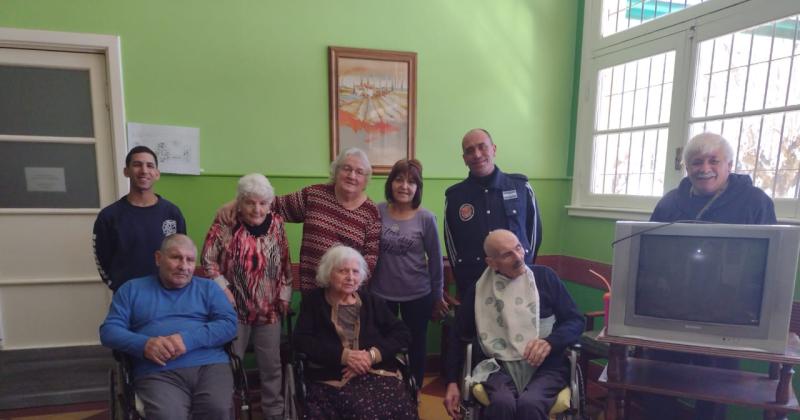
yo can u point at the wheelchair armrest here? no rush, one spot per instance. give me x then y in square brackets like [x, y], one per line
[125, 365]
[229, 348]
[590, 317]
[240, 385]
[573, 352]
[402, 357]
[466, 370]
[124, 370]
[405, 370]
[300, 361]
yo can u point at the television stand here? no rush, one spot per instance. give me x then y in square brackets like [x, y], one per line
[771, 392]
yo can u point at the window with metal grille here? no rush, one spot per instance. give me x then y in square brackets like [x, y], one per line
[649, 84]
[747, 87]
[630, 139]
[619, 15]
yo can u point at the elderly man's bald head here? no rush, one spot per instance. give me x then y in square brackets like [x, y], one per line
[504, 253]
[495, 238]
[177, 240]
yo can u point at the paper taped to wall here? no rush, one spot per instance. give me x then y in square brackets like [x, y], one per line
[177, 148]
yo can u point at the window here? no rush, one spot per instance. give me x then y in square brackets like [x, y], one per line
[631, 125]
[619, 15]
[748, 89]
[655, 73]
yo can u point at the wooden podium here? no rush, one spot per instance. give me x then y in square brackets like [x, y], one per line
[770, 392]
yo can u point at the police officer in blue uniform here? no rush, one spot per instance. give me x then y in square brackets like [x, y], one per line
[486, 200]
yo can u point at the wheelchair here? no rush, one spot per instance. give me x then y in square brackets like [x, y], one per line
[570, 403]
[124, 404]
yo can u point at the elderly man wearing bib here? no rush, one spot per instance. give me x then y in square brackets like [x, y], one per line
[522, 318]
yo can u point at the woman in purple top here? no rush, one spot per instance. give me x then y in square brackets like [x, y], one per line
[409, 272]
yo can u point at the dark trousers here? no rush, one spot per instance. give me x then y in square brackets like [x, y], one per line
[415, 314]
[533, 403]
[201, 392]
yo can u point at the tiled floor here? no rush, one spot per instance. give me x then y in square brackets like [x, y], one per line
[431, 407]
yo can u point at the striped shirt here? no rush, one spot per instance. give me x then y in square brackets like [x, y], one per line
[326, 223]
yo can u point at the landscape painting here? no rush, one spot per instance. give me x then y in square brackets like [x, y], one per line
[373, 104]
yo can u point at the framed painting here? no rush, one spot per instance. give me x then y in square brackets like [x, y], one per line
[373, 103]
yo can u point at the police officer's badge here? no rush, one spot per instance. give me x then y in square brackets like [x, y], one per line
[466, 211]
[169, 227]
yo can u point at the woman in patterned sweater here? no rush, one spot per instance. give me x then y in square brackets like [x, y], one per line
[336, 213]
[251, 258]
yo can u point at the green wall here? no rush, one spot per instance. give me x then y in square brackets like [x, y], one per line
[252, 75]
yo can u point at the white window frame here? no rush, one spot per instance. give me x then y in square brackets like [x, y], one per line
[682, 32]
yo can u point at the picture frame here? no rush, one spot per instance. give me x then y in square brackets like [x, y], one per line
[373, 103]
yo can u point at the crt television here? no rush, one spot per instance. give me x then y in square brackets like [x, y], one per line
[713, 285]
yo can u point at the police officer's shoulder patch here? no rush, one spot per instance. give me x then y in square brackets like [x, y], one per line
[466, 212]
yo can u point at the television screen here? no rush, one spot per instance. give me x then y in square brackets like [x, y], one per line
[707, 284]
[701, 279]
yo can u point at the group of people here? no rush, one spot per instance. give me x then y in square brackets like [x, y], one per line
[361, 266]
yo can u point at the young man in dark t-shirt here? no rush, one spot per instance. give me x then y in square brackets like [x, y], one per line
[127, 233]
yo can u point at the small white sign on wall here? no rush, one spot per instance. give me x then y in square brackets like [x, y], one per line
[45, 179]
[177, 148]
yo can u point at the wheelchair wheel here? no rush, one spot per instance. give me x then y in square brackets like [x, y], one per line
[577, 410]
[581, 415]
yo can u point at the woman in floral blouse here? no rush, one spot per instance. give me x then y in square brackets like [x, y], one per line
[251, 259]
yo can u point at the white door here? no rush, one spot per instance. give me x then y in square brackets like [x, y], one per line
[57, 172]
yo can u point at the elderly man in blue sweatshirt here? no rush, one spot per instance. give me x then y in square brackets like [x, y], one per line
[174, 326]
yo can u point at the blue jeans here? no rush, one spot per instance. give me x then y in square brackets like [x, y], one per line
[416, 314]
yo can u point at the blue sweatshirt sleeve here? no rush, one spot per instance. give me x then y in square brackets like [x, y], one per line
[221, 325]
[115, 332]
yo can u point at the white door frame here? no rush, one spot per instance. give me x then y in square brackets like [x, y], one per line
[109, 46]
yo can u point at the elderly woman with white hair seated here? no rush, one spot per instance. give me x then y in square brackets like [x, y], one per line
[251, 259]
[335, 213]
[351, 338]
